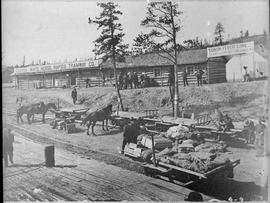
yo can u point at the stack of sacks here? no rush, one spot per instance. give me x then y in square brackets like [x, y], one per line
[186, 148]
[187, 161]
[177, 131]
[159, 142]
[166, 152]
[211, 147]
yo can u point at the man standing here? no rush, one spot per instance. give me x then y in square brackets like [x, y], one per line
[74, 95]
[248, 131]
[185, 77]
[130, 79]
[135, 80]
[125, 80]
[87, 83]
[8, 139]
[260, 129]
[120, 80]
[130, 134]
[199, 74]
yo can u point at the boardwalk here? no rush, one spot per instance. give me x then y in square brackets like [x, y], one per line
[78, 178]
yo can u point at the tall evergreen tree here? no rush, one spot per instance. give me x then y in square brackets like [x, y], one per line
[219, 34]
[247, 34]
[164, 20]
[109, 45]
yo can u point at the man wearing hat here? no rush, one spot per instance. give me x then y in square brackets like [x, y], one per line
[248, 131]
[194, 197]
[74, 95]
[8, 139]
[130, 133]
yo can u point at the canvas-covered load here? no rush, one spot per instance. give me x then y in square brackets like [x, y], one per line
[202, 158]
[177, 131]
[159, 142]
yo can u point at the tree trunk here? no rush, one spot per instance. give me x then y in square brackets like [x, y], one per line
[176, 92]
[116, 82]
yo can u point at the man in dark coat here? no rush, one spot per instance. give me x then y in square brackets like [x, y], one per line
[135, 80]
[8, 139]
[199, 74]
[185, 77]
[130, 134]
[87, 83]
[120, 80]
[74, 95]
[125, 80]
[226, 124]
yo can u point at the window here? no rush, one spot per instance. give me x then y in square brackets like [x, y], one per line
[157, 72]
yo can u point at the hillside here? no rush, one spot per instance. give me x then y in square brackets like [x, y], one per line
[239, 100]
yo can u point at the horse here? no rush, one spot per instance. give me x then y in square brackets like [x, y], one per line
[31, 109]
[99, 115]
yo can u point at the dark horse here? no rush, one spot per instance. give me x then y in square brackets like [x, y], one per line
[99, 115]
[31, 109]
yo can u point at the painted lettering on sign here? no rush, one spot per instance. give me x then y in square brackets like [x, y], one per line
[231, 49]
[56, 67]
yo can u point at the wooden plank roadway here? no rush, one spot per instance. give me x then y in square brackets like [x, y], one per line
[77, 178]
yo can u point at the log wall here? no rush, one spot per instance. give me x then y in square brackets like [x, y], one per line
[214, 72]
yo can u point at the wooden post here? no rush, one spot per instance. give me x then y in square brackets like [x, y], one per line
[153, 148]
[49, 156]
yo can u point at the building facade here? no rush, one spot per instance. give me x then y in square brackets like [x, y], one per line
[98, 74]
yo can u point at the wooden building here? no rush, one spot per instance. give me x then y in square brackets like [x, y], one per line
[152, 64]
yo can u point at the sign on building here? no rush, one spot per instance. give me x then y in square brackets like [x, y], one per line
[57, 67]
[231, 49]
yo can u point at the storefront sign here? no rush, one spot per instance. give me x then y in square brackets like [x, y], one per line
[231, 49]
[57, 67]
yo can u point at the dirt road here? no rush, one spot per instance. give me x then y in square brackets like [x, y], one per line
[77, 178]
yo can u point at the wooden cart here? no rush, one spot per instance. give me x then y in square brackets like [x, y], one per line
[184, 176]
[66, 119]
[187, 177]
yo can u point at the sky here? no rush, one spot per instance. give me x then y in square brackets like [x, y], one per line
[58, 30]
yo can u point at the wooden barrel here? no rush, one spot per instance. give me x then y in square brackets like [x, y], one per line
[49, 156]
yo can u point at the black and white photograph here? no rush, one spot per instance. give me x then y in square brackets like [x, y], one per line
[135, 100]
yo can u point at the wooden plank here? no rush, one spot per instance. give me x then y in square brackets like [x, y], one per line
[183, 170]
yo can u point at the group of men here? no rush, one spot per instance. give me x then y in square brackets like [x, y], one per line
[8, 139]
[254, 134]
[132, 80]
[198, 73]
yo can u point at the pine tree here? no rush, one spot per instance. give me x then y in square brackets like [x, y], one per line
[164, 20]
[219, 34]
[247, 34]
[109, 45]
